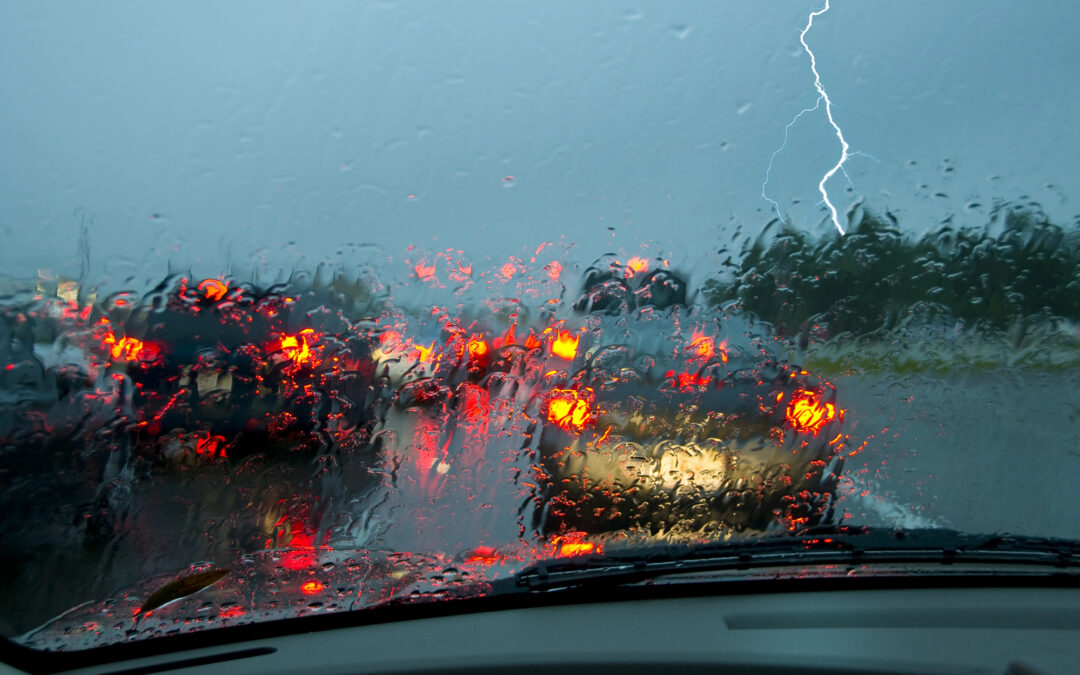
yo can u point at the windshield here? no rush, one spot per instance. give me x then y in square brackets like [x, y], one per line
[312, 309]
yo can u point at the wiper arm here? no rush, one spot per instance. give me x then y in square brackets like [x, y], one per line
[821, 546]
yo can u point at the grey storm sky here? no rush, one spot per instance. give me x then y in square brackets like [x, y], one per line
[204, 132]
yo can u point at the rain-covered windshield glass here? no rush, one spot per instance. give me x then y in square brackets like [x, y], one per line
[309, 308]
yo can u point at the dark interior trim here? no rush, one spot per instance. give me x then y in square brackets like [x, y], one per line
[39, 661]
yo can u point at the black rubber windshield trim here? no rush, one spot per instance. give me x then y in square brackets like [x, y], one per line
[40, 661]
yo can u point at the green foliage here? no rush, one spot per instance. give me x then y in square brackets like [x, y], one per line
[875, 278]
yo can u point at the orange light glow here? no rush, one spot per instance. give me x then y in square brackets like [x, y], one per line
[574, 544]
[231, 612]
[72, 311]
[568, 409]
[508, 270]
[687, 380]
[508, 338]
[311, 588]
[424, 271]
[423, 354]
[702, 347]
[478, 348]
[807, 413]
[565, 345]
[390, 339]
[607, 432]
[554, 270]
[577, 549]
[297, 348]
[475, 401]
[131, 349]
[212, 289]
[484, 555]
[636, 265]
[532, 342]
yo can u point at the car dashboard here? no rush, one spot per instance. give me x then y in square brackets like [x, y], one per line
[943, 625]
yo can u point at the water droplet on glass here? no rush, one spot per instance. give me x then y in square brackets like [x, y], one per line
[681, 32]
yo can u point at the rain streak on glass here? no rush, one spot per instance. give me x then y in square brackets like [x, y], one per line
[580, 328]
[329, 424]
[359, 436]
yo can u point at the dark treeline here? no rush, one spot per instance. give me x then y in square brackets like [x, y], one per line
[876, 277]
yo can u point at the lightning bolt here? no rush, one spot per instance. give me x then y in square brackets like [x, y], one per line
[822, 96]
[776, 152]
[844, 147]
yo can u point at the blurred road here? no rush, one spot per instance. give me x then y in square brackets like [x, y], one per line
[988, 451]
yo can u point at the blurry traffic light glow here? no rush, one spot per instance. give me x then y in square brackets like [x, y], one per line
[311, 588]
[569, 409]
[213, 289]
[131, 349]
[565, 345]
[297, 348]
[806, 412]
[573, 544]
[636, 265]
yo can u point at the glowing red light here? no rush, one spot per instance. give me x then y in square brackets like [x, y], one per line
[807, 413]
[475, 401]
[477, 347]
[311, 588]
[300, 538]
[569, 409]
[508, 338]
[484, 555]
[423, 354]
[508, 270]
[212, 289]
[702, 347]
[422, 269]
[603, 437]
[131, 349]
[298, 560]
[532, 342]
[425, 452]
[231, 612]
[211, 446]
[72, 311]
[554, 270]
[687, 380]
[297, 348]
[582, 548]
[390, 339]
[636, 265]
[574, 544]
[565, 345]
[300, 541]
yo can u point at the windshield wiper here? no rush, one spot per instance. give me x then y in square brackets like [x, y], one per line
[821, 546]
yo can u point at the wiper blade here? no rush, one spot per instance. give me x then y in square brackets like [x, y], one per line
[821, 546]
